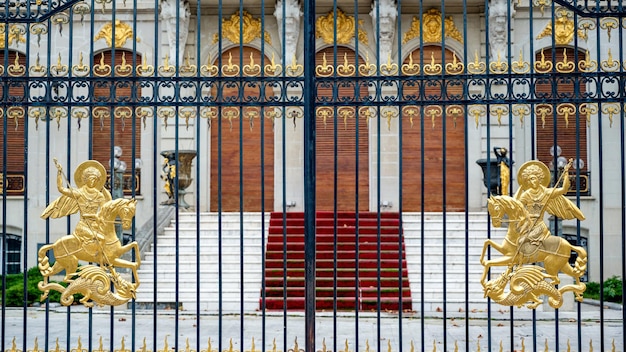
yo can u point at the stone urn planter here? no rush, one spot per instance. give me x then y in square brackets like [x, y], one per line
[170, 175]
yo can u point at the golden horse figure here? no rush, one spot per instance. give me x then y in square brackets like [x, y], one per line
[528, 239]
[93, 240]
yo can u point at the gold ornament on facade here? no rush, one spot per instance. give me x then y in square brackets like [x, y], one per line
[528, 241]
[339, 30]
[123, 32]
[93, 240]
[564, 33]
[433, 23]
[38, 70]
[388, 114]
[16, 35]
[251, 29]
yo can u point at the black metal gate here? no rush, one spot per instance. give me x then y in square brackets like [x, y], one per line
[307, 175]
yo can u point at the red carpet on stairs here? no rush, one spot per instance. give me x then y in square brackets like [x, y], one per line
[354, 282]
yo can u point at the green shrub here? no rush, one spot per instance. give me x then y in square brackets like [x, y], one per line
[612, 290]
[15, 289]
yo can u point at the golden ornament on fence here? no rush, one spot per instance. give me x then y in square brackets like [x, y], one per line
[93, 240]
[528, 242]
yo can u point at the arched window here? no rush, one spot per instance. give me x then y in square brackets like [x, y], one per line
[438, 137]
[113, 118]
[349, 150]
[14, 253]
[15, 116]
[557, 129]
[236, 150]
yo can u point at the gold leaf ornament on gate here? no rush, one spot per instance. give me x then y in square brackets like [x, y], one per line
[93, 240]
[528, 242]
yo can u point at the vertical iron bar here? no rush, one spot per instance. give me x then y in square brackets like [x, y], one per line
[309, 172]
[466, 194]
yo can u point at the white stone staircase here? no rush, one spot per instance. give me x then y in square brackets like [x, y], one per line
[231, 288]
[235, 231]
[455, 255]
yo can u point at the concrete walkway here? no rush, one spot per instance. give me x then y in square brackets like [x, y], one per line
[385, 332]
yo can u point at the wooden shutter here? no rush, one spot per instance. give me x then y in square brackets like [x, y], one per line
[434, 138]
[15, 142]
[346, 155]
[566, 136]
[111, 99]
[249, 176]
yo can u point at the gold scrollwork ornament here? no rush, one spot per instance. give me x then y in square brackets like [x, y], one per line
[93, 240]
[528, 241]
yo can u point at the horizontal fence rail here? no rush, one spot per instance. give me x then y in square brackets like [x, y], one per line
[244, 176]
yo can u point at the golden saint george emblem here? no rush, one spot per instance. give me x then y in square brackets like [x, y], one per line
[93, 240]
[529, 243]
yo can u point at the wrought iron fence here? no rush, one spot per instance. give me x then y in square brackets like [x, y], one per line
[320, 160]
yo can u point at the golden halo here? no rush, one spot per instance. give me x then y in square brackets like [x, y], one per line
[546, 173]
[78, 174]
